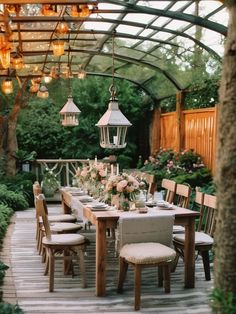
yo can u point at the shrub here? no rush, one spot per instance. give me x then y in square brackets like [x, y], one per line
[184, 167]
[8, 308]
[5, 215]
[223, 302]
[14, 200]
[3, 269]
[22, 183]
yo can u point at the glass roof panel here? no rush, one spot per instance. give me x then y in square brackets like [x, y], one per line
[165, 61]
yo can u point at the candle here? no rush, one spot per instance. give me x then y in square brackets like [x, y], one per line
[115, 140]
[95, 160]
[112, 170]
[117, 169]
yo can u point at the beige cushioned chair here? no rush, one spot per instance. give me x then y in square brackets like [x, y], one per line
[67, 247]
[145, 242]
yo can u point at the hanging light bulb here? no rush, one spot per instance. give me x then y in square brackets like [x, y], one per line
[34, 88]
[113, 124]
[69, 113]
[17, 61]
[42, 92]
[58, 47]
[47, 78]
[75, 11]
[54, 72]
[48, 10]
[7, 86]
[62, 28]
[81, 73]
[85, 12]
[5, 57]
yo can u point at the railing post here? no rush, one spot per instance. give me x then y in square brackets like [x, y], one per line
[179, 120]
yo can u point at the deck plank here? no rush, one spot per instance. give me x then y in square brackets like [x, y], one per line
[26, 284]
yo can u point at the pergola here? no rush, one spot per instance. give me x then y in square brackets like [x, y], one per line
[154, 40]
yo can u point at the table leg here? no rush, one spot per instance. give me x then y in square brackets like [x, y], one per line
[101, 258]
[189, 254]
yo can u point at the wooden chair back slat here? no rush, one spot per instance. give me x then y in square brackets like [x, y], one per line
[41, 209]
[170, 187]
[182, 193]
[207, 215]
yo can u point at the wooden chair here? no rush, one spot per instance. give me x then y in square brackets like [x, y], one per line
[62, 223]
[145, 242]
[204, 233]
[182, 195]
[170, 187]
[60, 246]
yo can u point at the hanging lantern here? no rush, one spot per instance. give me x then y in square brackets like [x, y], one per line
[5, 57]
[58, 47]
[75, 11]
[54, 72]
[65, 71]
[34, 88]
[113, 126]
[85, 12]
[17, 61]
[48, 10]
[42, 92]
[7, 86]
[69, 113]
[62, 28]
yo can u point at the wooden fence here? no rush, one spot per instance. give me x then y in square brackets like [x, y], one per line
[187, 129]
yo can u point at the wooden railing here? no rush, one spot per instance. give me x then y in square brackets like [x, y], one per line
[65, 169]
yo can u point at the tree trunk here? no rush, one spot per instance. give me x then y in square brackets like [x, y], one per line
[8, 140]
[225, 234]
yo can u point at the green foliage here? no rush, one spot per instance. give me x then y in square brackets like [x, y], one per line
[185, 167]
[223, 302]
[23, 156]
[5, 215]
[14, 200]
[3, 269]
[22, 183]
[8, 308]
[50, 182]
[199, 95]
[39, 127]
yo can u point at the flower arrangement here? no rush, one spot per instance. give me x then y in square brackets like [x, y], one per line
[93, 173]
[124, 185]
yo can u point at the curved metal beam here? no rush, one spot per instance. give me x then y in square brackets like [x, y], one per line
[122, 58]
[117, 22]
[195, 20]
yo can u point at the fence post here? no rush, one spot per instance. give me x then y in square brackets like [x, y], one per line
[179, 120]
[155, 138]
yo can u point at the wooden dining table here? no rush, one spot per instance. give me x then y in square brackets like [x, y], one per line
[105, 219]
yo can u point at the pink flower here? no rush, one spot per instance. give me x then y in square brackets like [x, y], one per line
[102, 173]
[121, 185]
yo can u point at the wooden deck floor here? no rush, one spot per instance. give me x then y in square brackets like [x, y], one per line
[26, 284]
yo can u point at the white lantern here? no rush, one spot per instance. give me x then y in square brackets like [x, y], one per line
[70, 113]
[113, 127]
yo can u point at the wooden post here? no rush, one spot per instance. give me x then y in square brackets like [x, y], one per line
[179, 120]
[155, 132]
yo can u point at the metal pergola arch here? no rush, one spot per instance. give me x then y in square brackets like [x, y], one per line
[130, 56]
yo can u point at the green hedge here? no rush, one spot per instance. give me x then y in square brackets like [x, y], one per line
[5, 215]
[14, 200]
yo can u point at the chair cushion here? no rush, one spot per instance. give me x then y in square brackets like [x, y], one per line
[64, 239]
[147, 253]
[178, 229]
[201, 238]
[63, 226]
[61, 218]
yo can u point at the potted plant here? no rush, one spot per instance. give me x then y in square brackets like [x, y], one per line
[50, 183]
